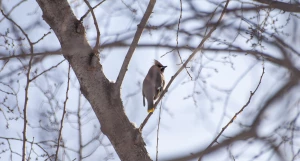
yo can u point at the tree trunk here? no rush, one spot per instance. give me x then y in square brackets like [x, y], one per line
[104, 96]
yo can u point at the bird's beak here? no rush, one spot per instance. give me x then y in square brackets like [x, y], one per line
[164, 67]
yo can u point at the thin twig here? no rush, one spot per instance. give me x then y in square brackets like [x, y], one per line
[129, 7]
[25, 110]
[134, 43]
[47, 70]
[27, 85]
[87, 12]
[30, 149]
[63, 115]
[41, 38]
[11, 151]
[284, 89]
[177, 34]
[244, 135]
[188, 60]
[12, 9]
[235, 116]
[178, 27]
[167, 52]
[5, 63]
[35, 143]
[95, 49]
[80, 142]
[57, 52]
[158, 131]
[24, 33]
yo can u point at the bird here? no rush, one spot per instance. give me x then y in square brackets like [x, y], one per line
[153, 84]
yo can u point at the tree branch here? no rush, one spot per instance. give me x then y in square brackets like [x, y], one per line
[57, 52]
[47, 70]
[26, 87]
[283, 90]
[187, 61]
[281, 5]
[139, 31]
[103, 95]
[235, 116]
[81, 19]
[241, 136]
[95, 49]
[63, 115]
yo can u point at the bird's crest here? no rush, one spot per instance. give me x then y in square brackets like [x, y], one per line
[157, 63]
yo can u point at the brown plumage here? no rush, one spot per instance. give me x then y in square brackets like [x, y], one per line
[153, 84]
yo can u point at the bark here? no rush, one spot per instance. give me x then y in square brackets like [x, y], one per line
[104, 96]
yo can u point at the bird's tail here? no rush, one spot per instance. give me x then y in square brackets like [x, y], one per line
[143, 99]
[150, 107]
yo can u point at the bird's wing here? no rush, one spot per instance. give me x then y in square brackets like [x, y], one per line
[158, 85]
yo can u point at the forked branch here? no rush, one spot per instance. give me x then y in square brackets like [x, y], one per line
[138, 33]
[186, 62]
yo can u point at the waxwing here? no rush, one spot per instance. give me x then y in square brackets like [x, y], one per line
[153, 84]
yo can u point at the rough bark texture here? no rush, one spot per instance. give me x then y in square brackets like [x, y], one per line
[103, 95]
